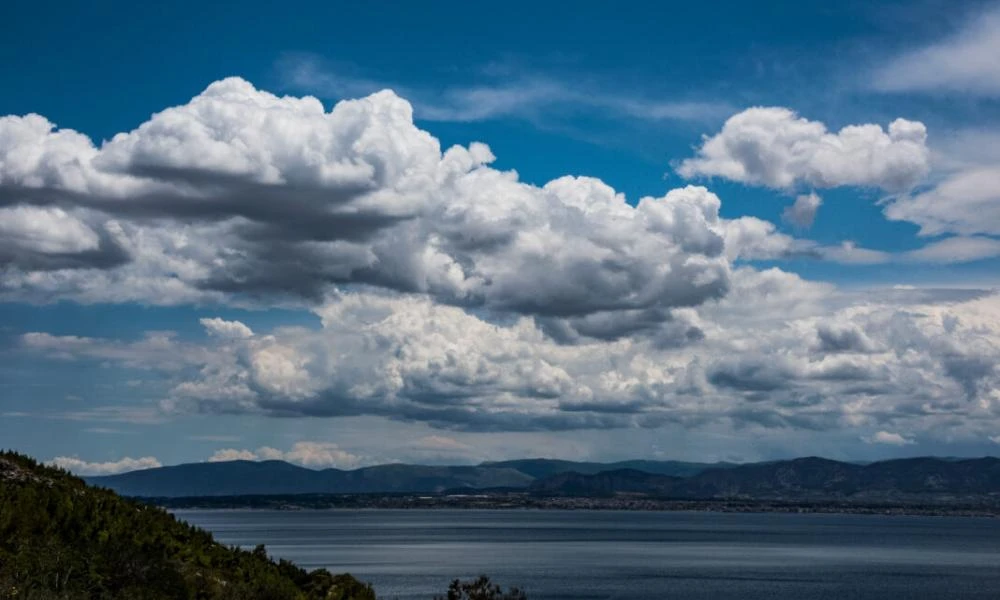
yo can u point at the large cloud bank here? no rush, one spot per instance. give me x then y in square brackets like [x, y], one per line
[241, 195]
[777, 353]
[452, 293]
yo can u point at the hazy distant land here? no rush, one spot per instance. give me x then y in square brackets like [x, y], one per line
[926, 485]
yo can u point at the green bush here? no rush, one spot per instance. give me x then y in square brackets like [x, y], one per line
[480, 589]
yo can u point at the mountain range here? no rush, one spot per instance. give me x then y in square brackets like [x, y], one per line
[275, 477]
[811, 478]
[814, 479]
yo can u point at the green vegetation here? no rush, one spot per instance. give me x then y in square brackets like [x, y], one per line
[480, 589]
[63, 540]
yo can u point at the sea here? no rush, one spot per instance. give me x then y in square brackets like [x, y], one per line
[630, 555]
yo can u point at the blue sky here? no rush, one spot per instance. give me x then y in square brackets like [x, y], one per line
[245, 276]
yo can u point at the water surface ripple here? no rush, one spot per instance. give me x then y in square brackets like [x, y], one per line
[605, 555]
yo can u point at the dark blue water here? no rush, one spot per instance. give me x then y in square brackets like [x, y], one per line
[634, 555]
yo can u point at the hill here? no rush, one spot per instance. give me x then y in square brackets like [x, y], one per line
[60, 539]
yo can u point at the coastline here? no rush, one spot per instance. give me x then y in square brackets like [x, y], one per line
[512, 502]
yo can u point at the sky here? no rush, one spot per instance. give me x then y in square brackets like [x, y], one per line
[357, 233]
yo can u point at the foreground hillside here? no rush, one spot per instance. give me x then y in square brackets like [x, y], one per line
[60, 539]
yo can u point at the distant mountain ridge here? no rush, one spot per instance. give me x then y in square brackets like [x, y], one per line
[809, 478]
[243, 477]
[540, 468]
[275, 477]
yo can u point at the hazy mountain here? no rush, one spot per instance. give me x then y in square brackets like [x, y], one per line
[235, 478]
[240, 477]
[218, 478]
[607, 483]
[802, 478]
[546, 467]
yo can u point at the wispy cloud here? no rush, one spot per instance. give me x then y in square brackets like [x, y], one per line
[156, 348]
[139, 415]
[966, 149]
[108, 431]
[521, 95]
[214, 438]
[965, 62]
[946, 251]
[957, 249]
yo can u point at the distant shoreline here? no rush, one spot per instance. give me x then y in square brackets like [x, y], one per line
[521, 502]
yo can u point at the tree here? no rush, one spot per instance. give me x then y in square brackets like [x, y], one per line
[481, 589]
[63, 540]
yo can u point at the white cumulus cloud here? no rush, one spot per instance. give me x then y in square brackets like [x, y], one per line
[45, 230]
[774, 147]
[307, 454]
[888, 438]
[226, 329]
[82, 467]
[230, 454]
[245, 197]
[778, 351]
[453, 294]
